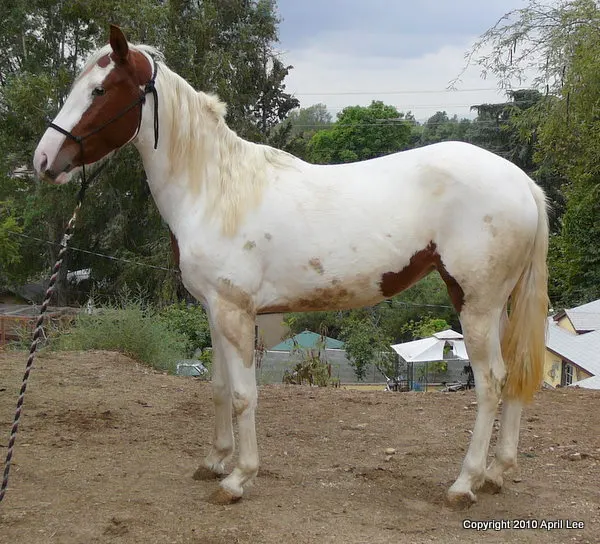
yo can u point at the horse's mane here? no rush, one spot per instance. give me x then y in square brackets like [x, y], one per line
[228, 170]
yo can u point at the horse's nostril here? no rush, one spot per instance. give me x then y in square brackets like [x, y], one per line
[43, 162]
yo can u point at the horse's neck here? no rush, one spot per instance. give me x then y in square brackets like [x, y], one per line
[203, 176]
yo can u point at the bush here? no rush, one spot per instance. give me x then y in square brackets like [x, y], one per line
[191, 321]
[133, 330]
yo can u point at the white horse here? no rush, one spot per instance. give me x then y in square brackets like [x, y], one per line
[260, 231]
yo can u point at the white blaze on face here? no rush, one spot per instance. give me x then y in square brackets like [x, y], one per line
[79, 100]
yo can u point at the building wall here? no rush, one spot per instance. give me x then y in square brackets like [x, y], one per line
[271, 329]
[565, 323]
[553, 370]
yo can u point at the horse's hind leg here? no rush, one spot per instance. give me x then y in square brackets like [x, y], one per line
[481, 330]
[508, 439]
[223, 440]
[506, 448]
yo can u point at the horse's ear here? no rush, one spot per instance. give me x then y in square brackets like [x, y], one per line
[118, 42]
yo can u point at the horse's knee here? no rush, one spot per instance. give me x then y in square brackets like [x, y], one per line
[242, 401]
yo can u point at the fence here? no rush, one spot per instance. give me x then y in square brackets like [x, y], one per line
[275, 363]
[17, 320]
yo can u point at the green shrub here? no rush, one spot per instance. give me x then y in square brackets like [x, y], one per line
[132, 329]
[191, 321]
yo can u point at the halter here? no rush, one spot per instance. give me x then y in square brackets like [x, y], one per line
[150, 87]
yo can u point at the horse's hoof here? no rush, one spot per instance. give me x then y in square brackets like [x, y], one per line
[491, 486]
[204, 473]
[461, 500]
[223, 497]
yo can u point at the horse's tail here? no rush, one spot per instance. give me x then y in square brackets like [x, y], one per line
[524, 339]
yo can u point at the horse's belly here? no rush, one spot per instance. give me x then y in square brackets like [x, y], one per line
[331, 294]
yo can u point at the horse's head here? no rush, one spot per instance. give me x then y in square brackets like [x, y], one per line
[102, 112]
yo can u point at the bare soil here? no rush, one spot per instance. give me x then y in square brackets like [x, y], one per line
[107, 449]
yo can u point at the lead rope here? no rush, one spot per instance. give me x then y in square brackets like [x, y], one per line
[149, 88]
[39, 329]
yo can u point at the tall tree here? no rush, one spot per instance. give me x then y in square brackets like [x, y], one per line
[440, 128]
[561, 43]
[301, 125]
[361, 133]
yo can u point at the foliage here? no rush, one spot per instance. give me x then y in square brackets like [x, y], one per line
[9, 245]
[312, 367]
[366, 343]
[303, 124]
[191, 321]
[361, 133]
[561, 41]
[426, 327]
[440, 128]
[132, 329]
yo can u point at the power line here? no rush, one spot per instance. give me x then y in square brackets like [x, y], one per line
[110, 257]
[425, 91]
[381, 122]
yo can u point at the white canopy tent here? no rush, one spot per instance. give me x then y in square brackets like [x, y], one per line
[432, 348]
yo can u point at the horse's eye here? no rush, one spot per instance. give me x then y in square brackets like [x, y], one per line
[98, 91]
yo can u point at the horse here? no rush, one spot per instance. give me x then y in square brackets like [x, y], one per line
[260, 231]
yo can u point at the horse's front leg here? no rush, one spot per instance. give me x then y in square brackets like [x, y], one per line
[223, 441]
[233, 332]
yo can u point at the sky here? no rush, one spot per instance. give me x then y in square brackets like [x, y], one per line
[405, 53]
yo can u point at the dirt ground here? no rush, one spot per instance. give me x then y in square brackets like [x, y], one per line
[107, 449]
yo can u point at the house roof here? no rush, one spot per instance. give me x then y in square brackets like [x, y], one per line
[584, 318]
[588, 383]
[581, 349]
[307, 339]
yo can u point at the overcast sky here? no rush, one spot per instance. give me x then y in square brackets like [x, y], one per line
[386, 47]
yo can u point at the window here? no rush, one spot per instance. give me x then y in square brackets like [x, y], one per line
[567, 374]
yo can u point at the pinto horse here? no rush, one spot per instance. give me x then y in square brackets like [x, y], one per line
[260, 231]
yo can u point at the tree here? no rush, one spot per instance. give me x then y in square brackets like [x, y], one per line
[426, 327]
[440, 128]
[561, 42]
[9, 244]
[366, 343]
[361, 133]
[301, 125]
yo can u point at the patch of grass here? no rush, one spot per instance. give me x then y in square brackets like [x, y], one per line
[132, 329]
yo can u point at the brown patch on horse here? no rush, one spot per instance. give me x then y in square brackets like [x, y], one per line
[122, 86]
[341, 295]
[236, 316]
[316, 265]
[490, 226]
[421, 264]
[175, 248]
